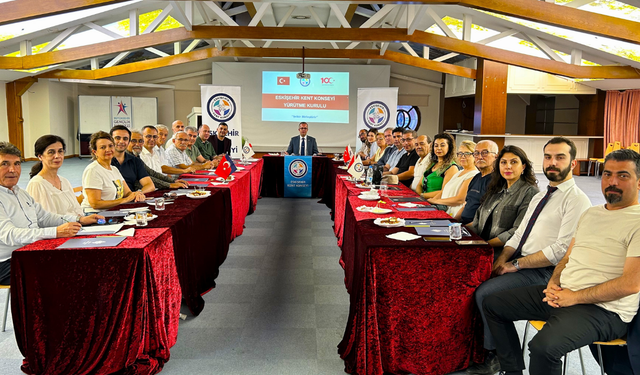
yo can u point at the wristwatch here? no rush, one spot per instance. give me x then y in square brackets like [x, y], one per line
[516, 264]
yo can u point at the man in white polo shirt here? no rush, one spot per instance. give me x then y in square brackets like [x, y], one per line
[423, 148]
[593, 292]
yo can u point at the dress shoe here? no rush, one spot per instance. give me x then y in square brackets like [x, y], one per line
[490, 366]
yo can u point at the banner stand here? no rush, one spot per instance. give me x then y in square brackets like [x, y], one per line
[297, 176]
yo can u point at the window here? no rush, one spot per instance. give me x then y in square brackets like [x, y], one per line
[408, 117]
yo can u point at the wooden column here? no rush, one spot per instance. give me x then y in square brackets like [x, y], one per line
[490, 114]
[15, 90]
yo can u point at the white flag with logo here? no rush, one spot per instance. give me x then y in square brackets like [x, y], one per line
[247, 150]
[356, 168]
[377, 109]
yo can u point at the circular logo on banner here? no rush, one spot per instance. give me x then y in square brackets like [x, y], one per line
[298, 168]
[246, 149]
[376, 115]
[221, 107]
[305, 82]
[358, 167]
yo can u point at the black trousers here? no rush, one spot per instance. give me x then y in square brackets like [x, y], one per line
[5, 272]
[567, 328]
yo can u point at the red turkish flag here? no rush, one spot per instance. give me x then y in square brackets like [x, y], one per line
[353, 160]
[224, 169]
[347, 153]
[283, 81]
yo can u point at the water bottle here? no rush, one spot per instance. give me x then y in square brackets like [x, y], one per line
[370, 176]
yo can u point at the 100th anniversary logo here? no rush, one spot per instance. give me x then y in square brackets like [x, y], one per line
[298, 168]
[221, 107]
[376, 115]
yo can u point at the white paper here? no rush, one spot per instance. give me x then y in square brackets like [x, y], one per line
[409, 205]
[127, 232]
[403, 236]
[100, 229]
[137, 209]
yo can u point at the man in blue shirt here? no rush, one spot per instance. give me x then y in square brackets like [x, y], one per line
[485, 155]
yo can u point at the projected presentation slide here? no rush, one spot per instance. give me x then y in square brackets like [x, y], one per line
[322, 98]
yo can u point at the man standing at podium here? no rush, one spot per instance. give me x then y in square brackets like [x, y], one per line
[302, 144]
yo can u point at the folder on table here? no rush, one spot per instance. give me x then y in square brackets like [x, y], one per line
[426, 223]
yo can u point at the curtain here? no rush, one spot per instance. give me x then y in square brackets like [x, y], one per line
[622, 117]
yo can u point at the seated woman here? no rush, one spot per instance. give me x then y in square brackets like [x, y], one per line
[503, 206]
[103, 186]
[53, 192]
[441, 168]
[455, 191]
[381, 147]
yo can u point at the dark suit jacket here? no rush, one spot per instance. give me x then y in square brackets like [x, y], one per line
[227, 145]
[311, 148]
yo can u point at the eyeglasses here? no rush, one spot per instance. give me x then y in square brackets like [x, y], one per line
[464, 154]
[182, 140]
[407, 139]
[54, 152]
[137, 141]
[484, 153]
[149, 136]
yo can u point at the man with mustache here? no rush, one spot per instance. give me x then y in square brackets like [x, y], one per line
[594, 291]
[541, 240]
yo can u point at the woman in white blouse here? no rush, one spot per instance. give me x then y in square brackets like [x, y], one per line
[53, 192]
[453, 194]
[102, 184]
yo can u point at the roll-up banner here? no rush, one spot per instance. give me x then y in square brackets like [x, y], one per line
[222, 104]
[297, 176]
[121, 111]
[377, 109]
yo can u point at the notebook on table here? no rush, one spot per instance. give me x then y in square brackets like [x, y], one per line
[407, 199]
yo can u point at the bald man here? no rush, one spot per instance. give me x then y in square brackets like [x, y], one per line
[485, 156]
[176, 126]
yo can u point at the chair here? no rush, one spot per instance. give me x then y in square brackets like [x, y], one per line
[538, 324]
[599, 161]
[616, 342]
[6, 305]
[635, 147]
[80, 197]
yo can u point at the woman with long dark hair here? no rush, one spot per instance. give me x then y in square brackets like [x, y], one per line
[513, 184]
[442, 166]
[52, 191]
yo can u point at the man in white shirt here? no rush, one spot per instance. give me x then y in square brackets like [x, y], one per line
[533, 251]
[423, 148]
[152, 156]
[22, 219]
[178, 157]
[594, 291]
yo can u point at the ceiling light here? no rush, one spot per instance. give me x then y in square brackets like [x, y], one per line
[300, 17]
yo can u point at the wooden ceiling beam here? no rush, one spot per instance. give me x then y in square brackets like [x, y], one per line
[23, 10]
[326, 34]
[537, 11]
[203, 54]
[522, 60]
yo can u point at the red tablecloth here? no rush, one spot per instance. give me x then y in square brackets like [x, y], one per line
[412, 308]
[240, 189]
[273, 176]
[200, 240]
[99, 310]
[345, 189]
[255, 170]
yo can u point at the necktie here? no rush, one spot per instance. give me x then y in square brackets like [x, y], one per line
[532, 220]
[302, 148]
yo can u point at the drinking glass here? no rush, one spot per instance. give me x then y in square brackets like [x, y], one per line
[383, 188]
[455, 231]
[141, 219]
[160, 204]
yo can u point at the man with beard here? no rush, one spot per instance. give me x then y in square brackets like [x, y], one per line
[594, 291]
[541, 240]
[221, 144]
[131, 168]
[160, 180]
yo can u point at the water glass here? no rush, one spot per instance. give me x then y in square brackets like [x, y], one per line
[160, 204]
[141, 219]
[455, 231]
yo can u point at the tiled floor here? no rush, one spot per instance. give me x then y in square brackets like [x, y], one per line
[280, 306]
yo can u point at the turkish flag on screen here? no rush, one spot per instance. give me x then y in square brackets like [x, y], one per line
[283, 81]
